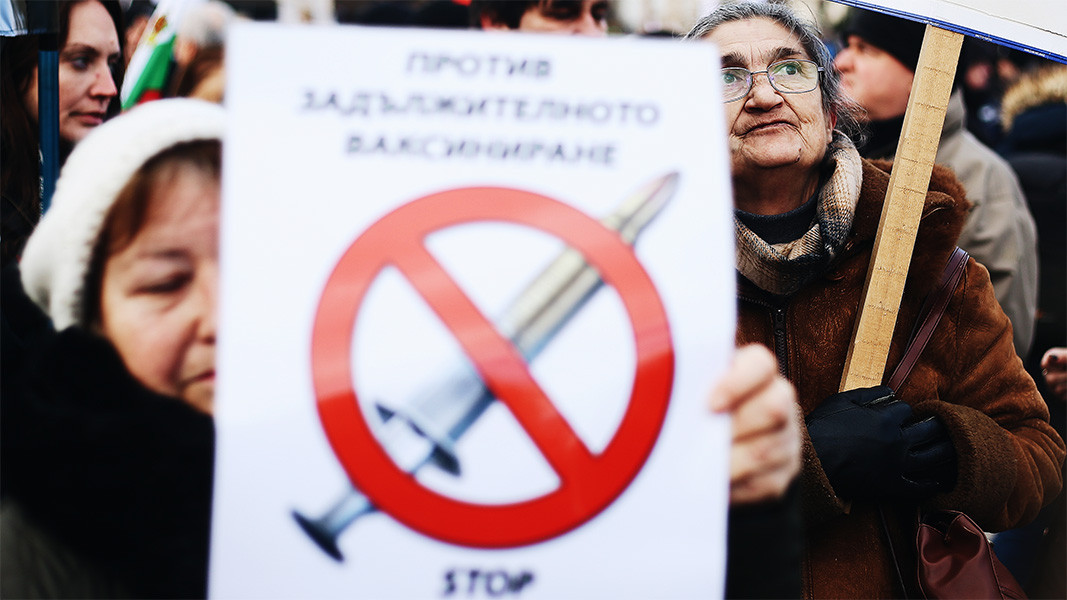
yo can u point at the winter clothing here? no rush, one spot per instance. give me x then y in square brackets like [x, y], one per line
[1029, 112]
[754, 568]
[784, 268]
[999, 232]
[899, 37]
[872, 446]
[56, 260]
[16, 224]
[106, 486]
[21, 322]
[968, 376]
[1035, 145]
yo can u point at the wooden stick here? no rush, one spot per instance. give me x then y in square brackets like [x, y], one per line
[923, 120]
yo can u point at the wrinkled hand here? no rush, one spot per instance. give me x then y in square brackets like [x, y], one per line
[872, 446]
[765, 450]
[1054, 368]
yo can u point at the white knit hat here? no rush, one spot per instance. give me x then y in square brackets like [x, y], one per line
[55, 263]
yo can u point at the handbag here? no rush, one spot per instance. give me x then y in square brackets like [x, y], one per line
[955, 560]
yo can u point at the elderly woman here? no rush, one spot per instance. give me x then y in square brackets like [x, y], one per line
[967, 430]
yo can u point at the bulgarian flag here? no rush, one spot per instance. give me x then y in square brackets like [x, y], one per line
[150, 64]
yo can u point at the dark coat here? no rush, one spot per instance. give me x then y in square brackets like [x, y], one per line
[969, 376]
[107, 472]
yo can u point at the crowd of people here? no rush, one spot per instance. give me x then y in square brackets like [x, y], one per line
[109, 299]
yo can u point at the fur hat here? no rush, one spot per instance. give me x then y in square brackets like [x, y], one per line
[899, 37]
[56, 260]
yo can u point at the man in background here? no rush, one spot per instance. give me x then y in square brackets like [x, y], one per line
[877, 65]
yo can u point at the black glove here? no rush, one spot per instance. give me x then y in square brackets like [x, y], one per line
[872, 446]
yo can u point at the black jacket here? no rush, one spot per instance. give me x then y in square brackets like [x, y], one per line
[115, 473]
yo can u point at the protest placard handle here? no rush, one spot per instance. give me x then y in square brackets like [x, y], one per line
[893, 244]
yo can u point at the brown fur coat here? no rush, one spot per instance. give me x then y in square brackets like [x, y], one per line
[969, 376]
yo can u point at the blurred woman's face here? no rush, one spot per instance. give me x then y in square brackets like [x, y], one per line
[86, 85]
[159, 293]
[574, 17]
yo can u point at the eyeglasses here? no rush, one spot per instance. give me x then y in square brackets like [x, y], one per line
[793, 76]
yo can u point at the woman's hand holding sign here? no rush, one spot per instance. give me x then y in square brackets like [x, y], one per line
[765, 450]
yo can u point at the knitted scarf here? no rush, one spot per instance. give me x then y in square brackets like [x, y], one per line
[783, 268]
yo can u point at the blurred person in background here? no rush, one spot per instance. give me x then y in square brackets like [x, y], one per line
[1034, 117]
[378, 13]
[199, 51]
[443, 14]
[137, 15]
[439, 14]
[573, 17]
[877, 65]
[1054, 370]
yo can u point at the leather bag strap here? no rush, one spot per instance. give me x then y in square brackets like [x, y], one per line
[930, 315]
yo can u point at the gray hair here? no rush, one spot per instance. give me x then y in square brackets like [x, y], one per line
[834, 100]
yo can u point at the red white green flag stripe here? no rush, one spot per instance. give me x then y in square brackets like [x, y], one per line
[150, 65]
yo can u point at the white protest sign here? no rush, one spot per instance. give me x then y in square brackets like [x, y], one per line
[1036, 26]
[475, 291]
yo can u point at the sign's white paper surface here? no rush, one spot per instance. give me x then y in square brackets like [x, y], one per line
[332, 130]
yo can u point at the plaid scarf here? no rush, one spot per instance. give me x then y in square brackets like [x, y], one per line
[783, 268]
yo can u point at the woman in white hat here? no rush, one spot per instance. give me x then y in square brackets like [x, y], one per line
[107, 477]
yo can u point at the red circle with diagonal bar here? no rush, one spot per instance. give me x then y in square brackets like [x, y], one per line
[589, 482]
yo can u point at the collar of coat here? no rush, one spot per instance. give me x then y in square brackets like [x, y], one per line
[943, 215]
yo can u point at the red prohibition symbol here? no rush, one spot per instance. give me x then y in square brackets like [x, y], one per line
[589, 482]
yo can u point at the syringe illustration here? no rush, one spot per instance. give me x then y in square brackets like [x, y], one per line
[425, 429]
